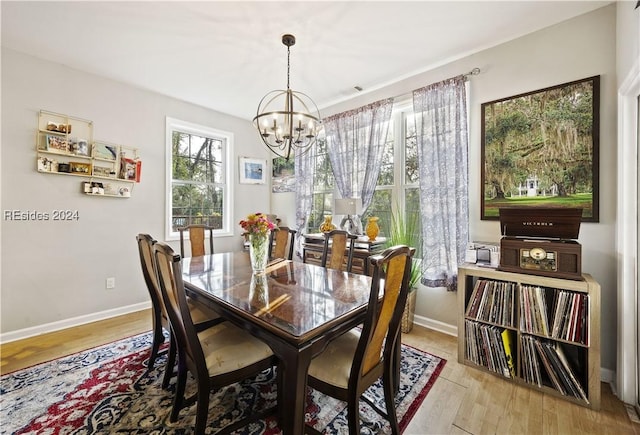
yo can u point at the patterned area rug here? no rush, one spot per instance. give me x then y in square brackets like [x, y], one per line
[108, 390]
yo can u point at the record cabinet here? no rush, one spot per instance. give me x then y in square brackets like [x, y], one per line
[536, 331]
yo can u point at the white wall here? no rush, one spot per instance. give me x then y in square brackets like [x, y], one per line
[56, 271]
[572, 50]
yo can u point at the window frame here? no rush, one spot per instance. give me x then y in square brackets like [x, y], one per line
[227, 138]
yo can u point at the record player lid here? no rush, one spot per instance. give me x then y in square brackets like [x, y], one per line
[545, 222]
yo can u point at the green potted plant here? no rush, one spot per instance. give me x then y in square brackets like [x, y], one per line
[405, 230]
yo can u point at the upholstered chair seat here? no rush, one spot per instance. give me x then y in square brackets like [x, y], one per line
[334, 364]
[227, 348]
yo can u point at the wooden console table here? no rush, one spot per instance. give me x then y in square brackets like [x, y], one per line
[312, 251]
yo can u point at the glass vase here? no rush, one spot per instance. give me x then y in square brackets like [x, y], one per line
[259, 251]
[372, 228]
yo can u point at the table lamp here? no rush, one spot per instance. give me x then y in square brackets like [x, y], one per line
[347, 207]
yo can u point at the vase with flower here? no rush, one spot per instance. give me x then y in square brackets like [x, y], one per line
[257, 227]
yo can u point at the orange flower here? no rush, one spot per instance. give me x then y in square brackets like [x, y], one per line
[257, 223]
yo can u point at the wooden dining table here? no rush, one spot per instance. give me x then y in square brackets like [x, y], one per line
[296, 308]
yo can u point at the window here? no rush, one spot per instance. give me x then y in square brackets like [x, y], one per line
[397, 183]
[382, 202]
[323, 185]
[198, 174]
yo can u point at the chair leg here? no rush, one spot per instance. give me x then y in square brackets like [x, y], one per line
[202, 411]
[158, 339]
[179, 394]
[353, 414]
[389, 400]
[171, 363]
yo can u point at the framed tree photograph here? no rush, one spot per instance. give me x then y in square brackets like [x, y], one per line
[252, 171]
[541, 149]
[283, 177]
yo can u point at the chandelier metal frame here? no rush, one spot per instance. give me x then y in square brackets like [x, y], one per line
[278, 112]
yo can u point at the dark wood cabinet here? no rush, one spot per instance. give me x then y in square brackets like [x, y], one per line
[312, 251]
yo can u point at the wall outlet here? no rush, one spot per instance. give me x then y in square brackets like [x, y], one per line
[111, 283]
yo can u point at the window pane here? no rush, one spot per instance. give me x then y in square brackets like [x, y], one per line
[410, 151]
[385, 178]
[196, 204]
[202, 162]
[381, 207]
[180, 144]
[412, 213]
[322, 205]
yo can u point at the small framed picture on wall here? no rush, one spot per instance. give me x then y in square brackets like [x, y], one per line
[252, 171]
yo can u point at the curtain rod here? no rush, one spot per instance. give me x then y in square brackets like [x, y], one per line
[473, 72]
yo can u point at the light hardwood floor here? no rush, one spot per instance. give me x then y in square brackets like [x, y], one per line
[462, 400]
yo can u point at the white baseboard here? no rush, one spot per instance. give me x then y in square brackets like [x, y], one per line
[436, 325]
[68, 323]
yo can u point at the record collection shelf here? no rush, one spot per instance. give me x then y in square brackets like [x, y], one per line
[540, 332]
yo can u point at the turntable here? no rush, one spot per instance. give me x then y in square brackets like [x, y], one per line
[541, 241]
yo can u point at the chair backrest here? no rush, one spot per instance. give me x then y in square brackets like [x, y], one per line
[145, 249]
[338, 246]
[381, 327]
[197, 236]
[169, 268]
[282, 237]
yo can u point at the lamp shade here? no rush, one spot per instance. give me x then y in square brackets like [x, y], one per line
[346, 206]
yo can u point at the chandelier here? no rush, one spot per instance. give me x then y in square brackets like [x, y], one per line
[288, 121]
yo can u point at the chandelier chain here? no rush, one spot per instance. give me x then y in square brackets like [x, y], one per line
[288, 65]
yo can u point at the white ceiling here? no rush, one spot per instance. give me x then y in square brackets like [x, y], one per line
[225, 55]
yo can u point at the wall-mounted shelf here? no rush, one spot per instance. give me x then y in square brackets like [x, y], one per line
[65, 146]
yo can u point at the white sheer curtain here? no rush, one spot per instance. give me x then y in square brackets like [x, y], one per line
[355, 144]
[304, 195]
[440, 112]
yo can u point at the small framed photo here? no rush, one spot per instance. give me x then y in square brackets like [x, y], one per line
[72, 145]
[79, 168]
[102, 171]
[105, 151]
[82, 147]
[57, 143]
[253, 171]
[130, 169]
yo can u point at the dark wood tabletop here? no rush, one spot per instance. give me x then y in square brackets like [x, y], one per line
[294, 307]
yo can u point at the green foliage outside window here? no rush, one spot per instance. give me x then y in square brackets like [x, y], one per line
[196, 193]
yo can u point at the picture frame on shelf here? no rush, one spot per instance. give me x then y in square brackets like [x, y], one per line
[541, 149]
[102, 171]
[82, 148]
[72, 145]
[252, 171]
[105, 151]
[57, 143]
[130, 169]
[80, 168]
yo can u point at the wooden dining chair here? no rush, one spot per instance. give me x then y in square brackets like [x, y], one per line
[351, 363]
[335, 242]
[197, 235]
[282, 237]
[202, 317]
[216, 357]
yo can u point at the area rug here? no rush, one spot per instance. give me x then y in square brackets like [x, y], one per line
[108, 390]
